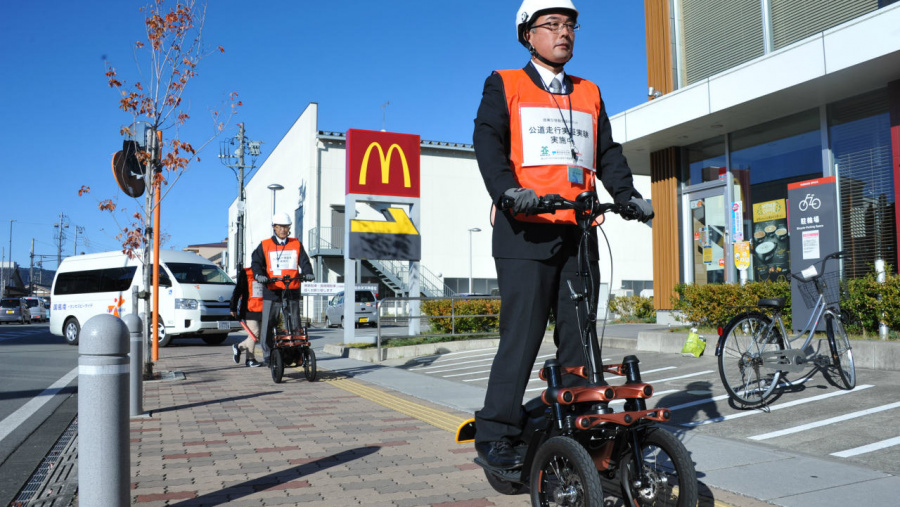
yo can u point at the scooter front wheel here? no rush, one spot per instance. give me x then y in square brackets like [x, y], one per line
[564, 474]
[666, 475]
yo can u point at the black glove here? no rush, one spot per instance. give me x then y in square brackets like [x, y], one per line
[525, 200]
[643, 209]
[308, 277]
[262, 278]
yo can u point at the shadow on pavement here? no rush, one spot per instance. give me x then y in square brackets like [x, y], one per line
[278, 479]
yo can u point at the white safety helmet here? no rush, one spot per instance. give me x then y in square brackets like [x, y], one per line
[531, 9]
[281, 219]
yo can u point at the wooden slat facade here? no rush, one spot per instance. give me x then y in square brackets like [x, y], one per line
[663, 163]
[659, 46]
[666, 251]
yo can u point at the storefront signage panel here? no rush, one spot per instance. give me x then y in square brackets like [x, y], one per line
[813, 234]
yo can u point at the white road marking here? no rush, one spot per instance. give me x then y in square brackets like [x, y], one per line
[18, 417]
[771, 408]
[824, 422]
[884, 444]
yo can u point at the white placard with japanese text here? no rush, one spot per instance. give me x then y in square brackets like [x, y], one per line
[546, 140]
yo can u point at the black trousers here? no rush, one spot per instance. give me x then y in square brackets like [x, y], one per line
[270, 312]
[528, 291]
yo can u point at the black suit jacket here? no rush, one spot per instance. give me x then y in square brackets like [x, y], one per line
[526, 240]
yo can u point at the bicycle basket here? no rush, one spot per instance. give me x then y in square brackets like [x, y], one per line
[831, 289]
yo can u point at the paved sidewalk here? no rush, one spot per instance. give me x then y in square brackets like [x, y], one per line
[228, 434]
[364, 434]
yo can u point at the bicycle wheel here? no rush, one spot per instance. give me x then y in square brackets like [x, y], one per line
[666, 477]
[309, 364]
[741, 368]
[564, 474]
[841, 353]
[277, 365]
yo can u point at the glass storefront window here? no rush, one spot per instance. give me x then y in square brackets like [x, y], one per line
[765, 158]
[860, 135]
[706, 160]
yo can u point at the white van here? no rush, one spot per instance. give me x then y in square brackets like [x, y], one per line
[194, 294]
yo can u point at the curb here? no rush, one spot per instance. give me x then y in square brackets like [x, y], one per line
[869, 354]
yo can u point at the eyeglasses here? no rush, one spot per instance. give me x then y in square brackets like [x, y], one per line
[282, 226]
[557, 27]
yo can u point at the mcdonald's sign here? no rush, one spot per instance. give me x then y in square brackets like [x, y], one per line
[382, 163]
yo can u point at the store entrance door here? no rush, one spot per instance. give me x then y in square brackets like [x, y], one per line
[709, 241]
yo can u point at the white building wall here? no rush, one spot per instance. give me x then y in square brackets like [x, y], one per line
[453, 200]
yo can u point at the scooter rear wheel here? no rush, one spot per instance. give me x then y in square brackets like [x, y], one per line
[277, 364]
[564, 474]
[666, 476]
[309, 364]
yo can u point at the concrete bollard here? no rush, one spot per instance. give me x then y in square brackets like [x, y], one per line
[104, 466]
[135, 329]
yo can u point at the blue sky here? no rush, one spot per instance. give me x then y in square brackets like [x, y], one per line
[59, 121]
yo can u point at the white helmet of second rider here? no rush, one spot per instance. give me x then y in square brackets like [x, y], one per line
[281, 219]
[530, 9]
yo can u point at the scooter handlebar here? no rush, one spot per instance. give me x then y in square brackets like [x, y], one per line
[586, 202]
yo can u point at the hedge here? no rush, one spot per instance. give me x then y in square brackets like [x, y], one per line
[714, 304]
[440, 309]
[864, 302]
[633, 307]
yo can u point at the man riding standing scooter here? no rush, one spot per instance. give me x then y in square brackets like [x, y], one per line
[523, 111]
[277, 257]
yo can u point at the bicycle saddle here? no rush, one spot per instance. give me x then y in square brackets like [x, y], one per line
[771, 303]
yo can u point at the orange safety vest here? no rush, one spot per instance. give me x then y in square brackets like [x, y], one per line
[521, 92]
[254, 288]
[281, 261]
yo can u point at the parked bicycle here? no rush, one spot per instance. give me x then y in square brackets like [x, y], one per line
[755, 351]
[575, 441]
[291, 341]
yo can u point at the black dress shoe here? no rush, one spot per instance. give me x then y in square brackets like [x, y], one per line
[237, 354]
[499, 454]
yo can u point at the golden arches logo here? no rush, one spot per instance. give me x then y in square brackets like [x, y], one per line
[385, 163]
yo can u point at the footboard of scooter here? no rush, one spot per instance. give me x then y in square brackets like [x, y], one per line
[466, 432]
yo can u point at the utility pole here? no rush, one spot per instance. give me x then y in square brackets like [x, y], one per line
[62, 224]
[31, 271]
[235, 161]
[78, 229]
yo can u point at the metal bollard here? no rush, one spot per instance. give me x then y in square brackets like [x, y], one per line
[104, 466]
[134, 324]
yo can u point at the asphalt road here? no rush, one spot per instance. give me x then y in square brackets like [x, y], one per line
[811, 416]
[37, 400]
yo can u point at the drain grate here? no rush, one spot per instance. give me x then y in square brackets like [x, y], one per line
[53, 474]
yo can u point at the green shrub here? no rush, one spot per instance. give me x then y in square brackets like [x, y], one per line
[441, 322]
[866, 302]
[715, 303]
[633, 308]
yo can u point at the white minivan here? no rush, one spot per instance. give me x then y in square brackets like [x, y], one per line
[194, 295]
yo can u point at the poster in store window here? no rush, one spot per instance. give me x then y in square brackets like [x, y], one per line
[771, 246]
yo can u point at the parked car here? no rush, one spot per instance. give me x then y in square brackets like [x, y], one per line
[14, 310]
[366, 309]
[39, 310]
